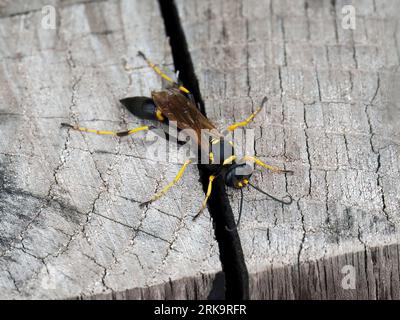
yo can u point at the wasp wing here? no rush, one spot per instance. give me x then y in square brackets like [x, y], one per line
[177, 107]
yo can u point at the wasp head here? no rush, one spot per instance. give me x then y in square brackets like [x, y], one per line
[238, 175]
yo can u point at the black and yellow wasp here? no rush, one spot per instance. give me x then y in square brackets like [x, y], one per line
[176, 104]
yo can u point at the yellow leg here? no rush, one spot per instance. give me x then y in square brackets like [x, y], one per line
[229, 160]
[163, 191]
[236, 125]
[160, 73]
[265, 165]
[209, 189]
[255, 160]
[103, 132]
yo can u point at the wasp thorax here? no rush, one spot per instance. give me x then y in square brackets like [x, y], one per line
[220, 150]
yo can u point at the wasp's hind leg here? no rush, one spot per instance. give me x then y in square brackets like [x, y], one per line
[142, 107]
[163, 191]
[162, 74]
[107, 132]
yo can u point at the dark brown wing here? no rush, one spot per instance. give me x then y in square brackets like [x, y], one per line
[176, 107]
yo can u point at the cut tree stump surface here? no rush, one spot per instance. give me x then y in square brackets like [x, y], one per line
[70, 222]
[332, 117]
[55, 183]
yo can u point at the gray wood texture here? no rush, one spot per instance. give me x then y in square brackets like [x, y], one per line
[70, 222]
[333, 117]
[62, 191]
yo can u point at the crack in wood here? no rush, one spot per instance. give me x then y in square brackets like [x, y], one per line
[231, 254]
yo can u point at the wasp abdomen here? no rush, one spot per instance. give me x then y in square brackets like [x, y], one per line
[143, 108]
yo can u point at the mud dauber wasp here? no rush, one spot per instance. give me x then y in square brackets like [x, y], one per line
[177, 104]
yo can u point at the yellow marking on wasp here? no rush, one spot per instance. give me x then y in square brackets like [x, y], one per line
[229, 160]
[159, 115]
[211, 157]
[137, 129]
[215, 141]
[176, 179]
[243, 183]
[161, 73]
[95, 131]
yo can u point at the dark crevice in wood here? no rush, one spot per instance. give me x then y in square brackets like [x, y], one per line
[231, 253]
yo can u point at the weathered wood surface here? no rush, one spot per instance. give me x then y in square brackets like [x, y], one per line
[54, 183]
[333, 117]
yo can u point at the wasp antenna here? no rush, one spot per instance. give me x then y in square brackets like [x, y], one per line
[240, 213]
[272, 197]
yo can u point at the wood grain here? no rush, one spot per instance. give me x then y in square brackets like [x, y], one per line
[332, 117]
[70, 222]
[62, 191]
